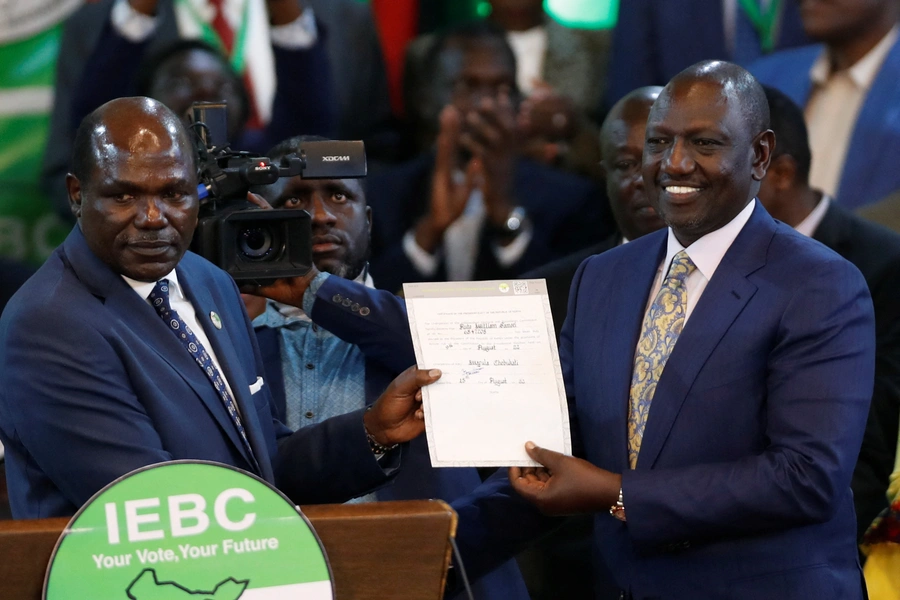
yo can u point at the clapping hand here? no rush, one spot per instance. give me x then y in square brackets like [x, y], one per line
[448, 196]
[489, 136]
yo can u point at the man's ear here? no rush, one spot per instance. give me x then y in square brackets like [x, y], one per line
[763, 147]
[73, 187]
[369, 219]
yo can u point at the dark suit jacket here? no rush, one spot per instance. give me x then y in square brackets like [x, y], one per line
[876, 253]
[655, 39]
[869, 172]
[12, 276]
[742, 486]
[94, 385]
[568, 213]
[559, 274]
[383, 336]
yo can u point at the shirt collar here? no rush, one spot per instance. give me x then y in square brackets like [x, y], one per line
[707, 252]
[863, 72]
[143, 288]
[809, 225]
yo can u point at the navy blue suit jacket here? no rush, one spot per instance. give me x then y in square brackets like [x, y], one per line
[870, 171]
[656, 39]
[741, 489]
[383, 336]
[568, 213]
[93, 385]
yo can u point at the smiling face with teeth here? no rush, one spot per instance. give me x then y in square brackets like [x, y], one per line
[704, 156]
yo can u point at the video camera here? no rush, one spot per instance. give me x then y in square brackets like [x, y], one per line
[251, 244]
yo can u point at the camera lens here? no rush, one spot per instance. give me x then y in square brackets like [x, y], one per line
[255, 243]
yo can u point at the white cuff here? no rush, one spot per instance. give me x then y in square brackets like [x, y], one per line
[299, 34]
[510, 254]
[425, 263]
[132, 25]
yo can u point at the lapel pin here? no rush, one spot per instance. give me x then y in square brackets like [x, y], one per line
[216, 321]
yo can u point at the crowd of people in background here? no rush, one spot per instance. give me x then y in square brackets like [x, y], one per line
[513, 150]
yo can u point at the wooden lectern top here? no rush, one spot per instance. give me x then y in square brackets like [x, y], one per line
[377, 551]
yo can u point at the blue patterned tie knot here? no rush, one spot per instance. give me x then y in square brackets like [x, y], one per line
[159, 298]
[662, 326]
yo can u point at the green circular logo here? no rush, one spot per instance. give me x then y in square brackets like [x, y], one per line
[189, 530]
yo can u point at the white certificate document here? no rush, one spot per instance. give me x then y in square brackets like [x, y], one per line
[502, 384]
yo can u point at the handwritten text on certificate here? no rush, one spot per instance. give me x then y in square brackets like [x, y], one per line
[502, 384]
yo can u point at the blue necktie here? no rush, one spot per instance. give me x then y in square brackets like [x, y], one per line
[159, 297]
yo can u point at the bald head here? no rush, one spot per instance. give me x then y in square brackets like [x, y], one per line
[737, 85]
[128, 125]
[134, 187]
[622, 146]
[633, 108]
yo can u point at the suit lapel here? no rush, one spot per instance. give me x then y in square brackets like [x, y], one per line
[231, 366]
[140, 318]
[724, 298]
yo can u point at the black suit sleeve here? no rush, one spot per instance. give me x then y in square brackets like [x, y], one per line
[879, 447]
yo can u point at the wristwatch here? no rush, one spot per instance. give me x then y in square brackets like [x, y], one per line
[513, 225]
[618, 509]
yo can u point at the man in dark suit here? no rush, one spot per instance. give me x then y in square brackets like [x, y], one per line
[655, 39]
[719, 374]
[338, 352]
[125, 350]
[787, 195]
[621, 143]
[12, 274]
[474, 209]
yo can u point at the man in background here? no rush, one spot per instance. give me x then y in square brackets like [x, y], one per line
[847, 85]
[244, 30]
[474, 209]
[622, 144]
[787, 195]
[655, 39]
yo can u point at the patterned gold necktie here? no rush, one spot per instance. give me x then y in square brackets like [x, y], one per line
[661, 328]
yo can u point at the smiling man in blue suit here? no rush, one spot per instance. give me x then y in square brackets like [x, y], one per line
[125, 350]
[719, 374]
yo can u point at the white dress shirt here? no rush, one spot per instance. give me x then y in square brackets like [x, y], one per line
[530, 47]
[832, 109]
[185, 310]
[706, 253]
[809, 225]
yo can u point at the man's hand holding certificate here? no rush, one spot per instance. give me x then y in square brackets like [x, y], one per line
[502, 384]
